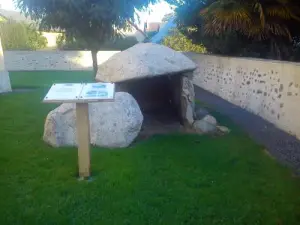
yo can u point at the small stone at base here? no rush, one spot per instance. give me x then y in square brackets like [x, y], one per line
[223, 129]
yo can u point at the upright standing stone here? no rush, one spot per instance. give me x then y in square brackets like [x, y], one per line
[187, 103]
[4, 77]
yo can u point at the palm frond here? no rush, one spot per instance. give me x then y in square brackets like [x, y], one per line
[231, 19]
[259, 19]
[276, 11]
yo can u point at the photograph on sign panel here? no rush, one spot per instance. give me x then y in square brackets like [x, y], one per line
[97, 91]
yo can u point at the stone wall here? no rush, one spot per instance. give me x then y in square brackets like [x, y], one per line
[52, 60]
[270, 89]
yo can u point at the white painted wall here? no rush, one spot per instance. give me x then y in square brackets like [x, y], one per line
[270, 89]
[52, 60]
[4, 77]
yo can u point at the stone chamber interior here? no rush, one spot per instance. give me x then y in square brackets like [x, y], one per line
[159, 101]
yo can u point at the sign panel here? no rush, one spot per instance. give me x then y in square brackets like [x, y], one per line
[81, 94]
[87, 92]
[63, 92]
[98, 91]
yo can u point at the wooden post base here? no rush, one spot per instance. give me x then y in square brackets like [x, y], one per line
[83, 139]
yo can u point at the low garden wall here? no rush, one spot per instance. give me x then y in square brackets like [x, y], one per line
[270, 89]
[52, 60]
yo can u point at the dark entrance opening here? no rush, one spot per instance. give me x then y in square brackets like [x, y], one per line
[159, 101]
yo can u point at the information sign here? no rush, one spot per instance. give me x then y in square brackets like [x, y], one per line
[78, 93]
[81, 94]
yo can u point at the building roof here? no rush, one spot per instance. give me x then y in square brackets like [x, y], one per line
[153, 26]
[15, 15]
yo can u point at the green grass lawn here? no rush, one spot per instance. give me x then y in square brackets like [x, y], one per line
[175, 179]
[46, 78]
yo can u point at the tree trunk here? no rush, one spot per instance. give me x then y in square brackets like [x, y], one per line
[95, 61]
[138, 29]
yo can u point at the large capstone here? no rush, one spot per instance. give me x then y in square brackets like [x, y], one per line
[112, 124]
[144, 60]
[187, 102]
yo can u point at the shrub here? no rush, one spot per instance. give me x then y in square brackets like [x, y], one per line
[21, 36]
[119, 44]
[68, 43]
[179, 42]
[60, 41]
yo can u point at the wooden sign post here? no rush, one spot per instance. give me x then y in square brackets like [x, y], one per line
[82, 95]
[83, 138]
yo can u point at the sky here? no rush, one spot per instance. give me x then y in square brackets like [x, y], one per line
[157, 11]
[7, 4]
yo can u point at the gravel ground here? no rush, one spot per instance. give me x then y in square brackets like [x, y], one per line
[283, 146]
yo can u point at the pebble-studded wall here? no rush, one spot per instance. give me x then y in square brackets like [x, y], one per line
[270, 89]
[52, 60]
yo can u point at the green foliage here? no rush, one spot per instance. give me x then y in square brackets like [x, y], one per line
[65, 42]
[94, 22]
[60, 40]
[118, 44]
[179, 42]
[121, 43]
[21, 36]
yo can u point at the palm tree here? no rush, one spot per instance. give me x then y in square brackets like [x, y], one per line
[258, 19]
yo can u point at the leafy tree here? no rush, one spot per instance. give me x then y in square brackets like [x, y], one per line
[21, 36]
[118, 44]
[92, 22]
